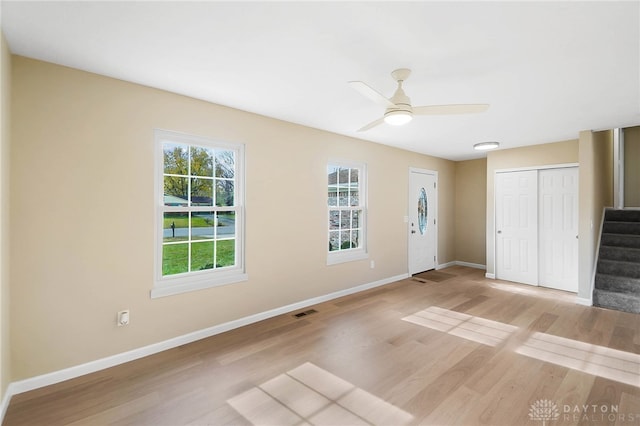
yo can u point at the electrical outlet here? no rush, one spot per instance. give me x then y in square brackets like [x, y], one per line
[123, 318]
[372, 264]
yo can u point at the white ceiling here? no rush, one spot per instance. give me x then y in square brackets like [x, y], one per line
[548, 69]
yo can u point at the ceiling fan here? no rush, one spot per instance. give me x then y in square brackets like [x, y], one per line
[398, 108]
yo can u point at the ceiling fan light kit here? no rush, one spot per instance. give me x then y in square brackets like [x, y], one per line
[485, 146]
[398, 117]
[398, 109]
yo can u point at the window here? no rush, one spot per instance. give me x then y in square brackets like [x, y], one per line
[346, 183]
[200, 216]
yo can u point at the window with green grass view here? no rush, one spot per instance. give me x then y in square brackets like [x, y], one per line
[347, 208]
[200, 212]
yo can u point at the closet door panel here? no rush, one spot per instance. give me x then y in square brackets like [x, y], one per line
[517, 226]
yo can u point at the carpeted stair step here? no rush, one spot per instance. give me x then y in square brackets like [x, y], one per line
[622, 215]
[619, 268]
[617, 283]
[620, 301]
[619, 240]
[624, 254]
[621, 228]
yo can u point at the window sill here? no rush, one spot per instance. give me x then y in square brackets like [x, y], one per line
[170, 287]
[336, 258]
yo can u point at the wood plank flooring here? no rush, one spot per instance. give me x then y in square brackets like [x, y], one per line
[458, 350]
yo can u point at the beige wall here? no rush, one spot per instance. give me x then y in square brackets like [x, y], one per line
[5, 98]
[470, 211]
[632, 166]
[82, 207]
[82, 210]
[530, 156]
[596, 193]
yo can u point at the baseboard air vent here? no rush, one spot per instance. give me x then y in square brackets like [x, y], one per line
[304, 313]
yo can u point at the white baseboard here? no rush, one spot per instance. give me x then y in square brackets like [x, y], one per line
[490, 276]
[445, 265]
[110, 361]
[471, 265]
[583, 301]
[460, 263]
[5, 403]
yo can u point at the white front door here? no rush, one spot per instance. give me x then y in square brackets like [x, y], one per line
[422, 220]
[558, 233]
[517, 226]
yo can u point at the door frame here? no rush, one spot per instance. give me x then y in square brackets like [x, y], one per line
[493, 219]
[434, 173]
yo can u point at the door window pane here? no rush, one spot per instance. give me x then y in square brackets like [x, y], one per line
[422, 211]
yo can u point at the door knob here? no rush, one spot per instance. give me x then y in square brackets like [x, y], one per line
[413, 231]
[499, 232]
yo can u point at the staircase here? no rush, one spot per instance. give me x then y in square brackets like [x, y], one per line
[617, 284]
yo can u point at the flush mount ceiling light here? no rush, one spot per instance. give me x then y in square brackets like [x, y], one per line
[485, 146]
[398, 117]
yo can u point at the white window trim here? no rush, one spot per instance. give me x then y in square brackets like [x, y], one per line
[361, 253]
[197, 280]
[343, 256]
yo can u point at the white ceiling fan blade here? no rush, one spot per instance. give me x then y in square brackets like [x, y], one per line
[450, 109]
[372, 94]
[372, 125]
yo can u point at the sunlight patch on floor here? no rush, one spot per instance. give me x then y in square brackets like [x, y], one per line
[477, 329]
[600, 361]
[309, 395]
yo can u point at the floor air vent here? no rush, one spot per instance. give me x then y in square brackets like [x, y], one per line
[305, 313]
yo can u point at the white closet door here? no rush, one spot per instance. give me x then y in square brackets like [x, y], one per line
[558, 228]
[517, 226]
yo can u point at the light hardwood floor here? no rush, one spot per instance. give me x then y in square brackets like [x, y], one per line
[455, 349]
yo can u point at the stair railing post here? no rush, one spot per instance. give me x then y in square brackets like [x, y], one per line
[618, 168]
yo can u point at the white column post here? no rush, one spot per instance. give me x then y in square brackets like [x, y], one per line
[618, 168]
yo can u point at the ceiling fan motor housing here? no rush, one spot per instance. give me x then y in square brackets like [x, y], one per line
[400, 100]
[401, 113]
